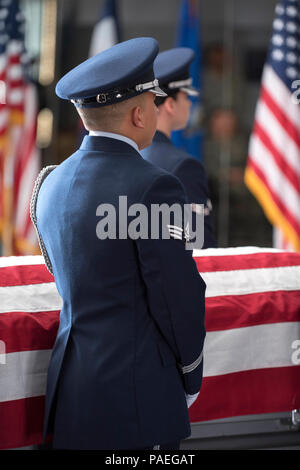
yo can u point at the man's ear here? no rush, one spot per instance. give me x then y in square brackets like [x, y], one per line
[137, 117]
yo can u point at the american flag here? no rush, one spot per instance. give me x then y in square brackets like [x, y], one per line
[105, 34]
[273, 167]
[20, 159]
[251, 352]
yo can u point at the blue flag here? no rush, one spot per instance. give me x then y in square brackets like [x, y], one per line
[106, 32]
[188, 35]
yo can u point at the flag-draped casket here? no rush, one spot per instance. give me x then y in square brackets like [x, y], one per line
[252, 347]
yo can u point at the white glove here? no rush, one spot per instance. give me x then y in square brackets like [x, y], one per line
[191, 398]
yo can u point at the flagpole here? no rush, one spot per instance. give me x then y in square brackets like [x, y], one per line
[225, 150]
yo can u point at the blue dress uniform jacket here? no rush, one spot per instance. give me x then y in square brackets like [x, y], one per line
[131, 331]
[191, 174]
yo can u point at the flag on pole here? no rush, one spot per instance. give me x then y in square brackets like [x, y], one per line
[273, 167]
[20, 159]
[188, 35]
[106, 33]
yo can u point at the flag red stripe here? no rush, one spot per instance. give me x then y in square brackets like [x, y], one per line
[24, 275]
[281, 162]
[251, 392]
[287, 214]
[36, 274]
[24, 331]
[27, 224]
[248, 261]
[247, 393]
[238, 311]
[19, 83]
[21, 422]
[14, 58]
[281, 117]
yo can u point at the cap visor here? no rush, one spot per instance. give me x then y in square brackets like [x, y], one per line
[158, 91]
[190, 91]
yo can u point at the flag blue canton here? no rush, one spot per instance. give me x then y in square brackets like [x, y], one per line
[4, 15]
[12, 27]
[284, 52]
[11, 21]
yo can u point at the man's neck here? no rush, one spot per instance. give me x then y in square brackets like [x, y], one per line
[114, 135]
[165, 128]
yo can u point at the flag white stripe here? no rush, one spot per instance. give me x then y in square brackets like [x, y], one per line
[233, 251]
[30, 298]
[3, 63]
[280, 241]
[276, 179]
[104, 35]
[39, 297]
[280, 139]
[281, 95]
[24, 375]
[248, 348]
[250, 281]
[7, 261]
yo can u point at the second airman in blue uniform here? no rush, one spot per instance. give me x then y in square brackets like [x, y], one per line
[171, 67]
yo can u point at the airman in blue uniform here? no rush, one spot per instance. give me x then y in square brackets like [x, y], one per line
[127, 361]
[171, 67]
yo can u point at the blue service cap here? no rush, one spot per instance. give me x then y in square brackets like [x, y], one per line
[171, 67]
[114, 75]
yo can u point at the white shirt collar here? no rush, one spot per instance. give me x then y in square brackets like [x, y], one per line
[112, 135]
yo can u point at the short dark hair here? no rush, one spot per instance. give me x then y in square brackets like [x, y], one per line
[159, 100]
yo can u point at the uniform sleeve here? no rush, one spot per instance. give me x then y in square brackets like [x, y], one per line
[175, 289]
[192, 175]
